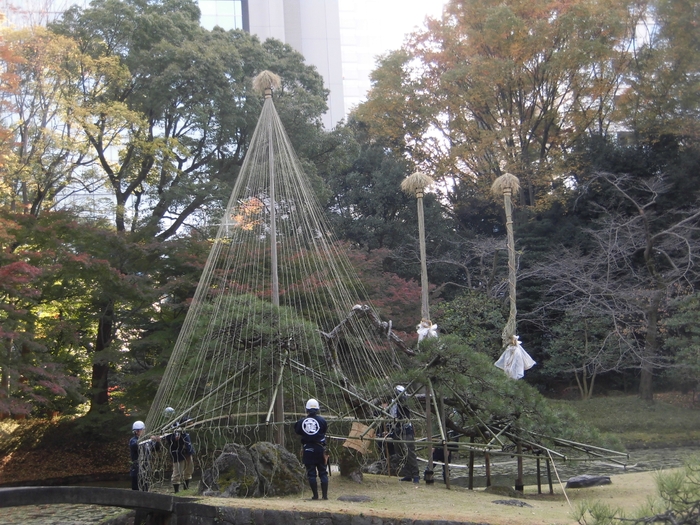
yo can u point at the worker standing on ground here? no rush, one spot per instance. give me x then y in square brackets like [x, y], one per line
[403, 432]
[140, 456]
[181, 452]
[312, 430]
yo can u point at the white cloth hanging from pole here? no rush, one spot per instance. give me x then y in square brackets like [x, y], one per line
[515, 360]
[426, 329]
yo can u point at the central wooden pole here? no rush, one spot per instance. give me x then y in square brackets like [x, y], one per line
[278, 423]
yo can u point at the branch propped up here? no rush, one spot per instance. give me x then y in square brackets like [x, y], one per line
[383, 326]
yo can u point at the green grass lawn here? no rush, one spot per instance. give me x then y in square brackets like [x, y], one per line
[665, 422]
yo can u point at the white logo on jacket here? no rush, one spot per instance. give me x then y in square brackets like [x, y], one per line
[310, 426]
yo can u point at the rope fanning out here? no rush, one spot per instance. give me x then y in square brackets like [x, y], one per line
[239, 354]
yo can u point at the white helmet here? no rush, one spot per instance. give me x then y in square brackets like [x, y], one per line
[138, 425]
[400, 389]
[312, 404]
[169, 412]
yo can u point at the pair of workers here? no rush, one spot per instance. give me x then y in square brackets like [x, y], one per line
[178, 444]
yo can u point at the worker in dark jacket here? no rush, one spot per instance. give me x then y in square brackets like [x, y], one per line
[140, 456]
[404, 433]
[181, 451]
[312, 430]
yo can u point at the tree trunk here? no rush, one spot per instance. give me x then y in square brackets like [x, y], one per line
[590, 388]
[5, 378]
[100, 365]
[651, 346]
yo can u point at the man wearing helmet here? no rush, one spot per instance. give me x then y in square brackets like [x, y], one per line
[181, 451]
[140, 454]
[403, 431]
[312, 430]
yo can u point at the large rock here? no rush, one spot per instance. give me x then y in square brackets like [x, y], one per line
[263, 470]
[233, 474]
[350, 464]
[279, 471]
[583, 481]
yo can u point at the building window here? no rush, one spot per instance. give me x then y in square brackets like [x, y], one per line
[227, 14]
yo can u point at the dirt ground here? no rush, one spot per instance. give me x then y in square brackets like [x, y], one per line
[392, 498]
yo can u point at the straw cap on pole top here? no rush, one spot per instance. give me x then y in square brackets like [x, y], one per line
[415, 183]
[507, 181]
[265, 82]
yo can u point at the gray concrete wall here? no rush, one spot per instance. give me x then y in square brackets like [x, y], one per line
[312, 27]
[195, 514]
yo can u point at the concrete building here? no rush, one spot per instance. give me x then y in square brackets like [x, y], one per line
[312, 27]
[342, 38]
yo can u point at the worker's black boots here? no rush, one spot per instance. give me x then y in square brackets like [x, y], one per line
[314, 489]
[176, 488]
[324, 490]
[187, 484]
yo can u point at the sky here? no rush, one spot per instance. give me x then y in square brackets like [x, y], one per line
[369, 28]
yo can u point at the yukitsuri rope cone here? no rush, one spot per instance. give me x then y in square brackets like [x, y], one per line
[278, 316]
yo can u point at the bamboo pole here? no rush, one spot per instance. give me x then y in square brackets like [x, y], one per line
[278, 395]
[487, 467]
[445, 451]
[471, 466]
[519, 484]
[430, 470]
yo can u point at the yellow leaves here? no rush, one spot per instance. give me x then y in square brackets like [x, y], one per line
[519, 80]
[247, 215]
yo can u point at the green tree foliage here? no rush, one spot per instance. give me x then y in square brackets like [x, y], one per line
[365, 204]
[173, 104]
[476, 318]
[367, 208]
[250, 340]
[482, 398]
[583, 346]
[682, 340]
[59, 271]
[166, 110]
[174, 267]
[44, 336]
[16, 294]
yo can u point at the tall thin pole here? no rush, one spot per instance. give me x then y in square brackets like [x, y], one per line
[509, 330]
[279, 399]
[415, 184]
[506, 185]
[273, 218]
[424, 310]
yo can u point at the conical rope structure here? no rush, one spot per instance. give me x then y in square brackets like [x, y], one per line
[278, 317]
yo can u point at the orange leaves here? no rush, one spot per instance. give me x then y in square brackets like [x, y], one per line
[248, 214]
